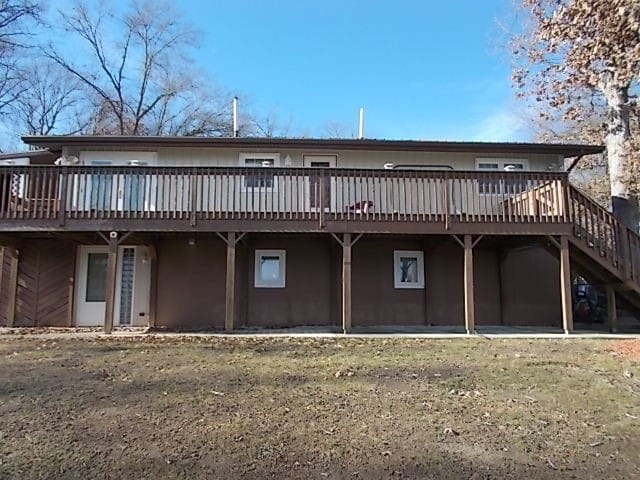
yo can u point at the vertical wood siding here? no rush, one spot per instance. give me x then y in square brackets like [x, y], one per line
[5, 266]
[44, 274]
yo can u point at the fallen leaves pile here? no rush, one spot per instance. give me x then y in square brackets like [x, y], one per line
[627, 348]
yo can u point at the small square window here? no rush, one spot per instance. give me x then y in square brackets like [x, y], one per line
[408, 269]
[270, 269]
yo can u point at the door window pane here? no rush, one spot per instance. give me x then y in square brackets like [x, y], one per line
[126, 285]
[262, 179]
[96, 277]
[314, 187]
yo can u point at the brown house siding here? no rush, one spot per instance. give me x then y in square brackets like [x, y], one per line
[529, 287]
[309, 295]
[487, 292]
[191, 283]
[516, 287]
[532, 288]
[375, 300]
[5, 266]
[45, 281]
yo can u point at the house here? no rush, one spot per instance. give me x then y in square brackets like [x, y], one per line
[236, 233]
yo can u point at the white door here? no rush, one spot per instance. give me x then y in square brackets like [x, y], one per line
[91, 285]
[132, 286]
[316, 197]
[109, 191]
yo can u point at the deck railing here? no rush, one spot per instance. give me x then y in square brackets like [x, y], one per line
[50, 195]
[601, 232]
[273, 193]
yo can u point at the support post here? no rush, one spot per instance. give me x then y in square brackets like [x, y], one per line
[346, 283]
[612, 310]
[153, 287]
[12, 285]
[230, 290]
[110, 294]
[469, 303]
[565, 286]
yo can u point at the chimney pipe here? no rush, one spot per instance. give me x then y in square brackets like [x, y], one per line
[235, 116]
[361, 127]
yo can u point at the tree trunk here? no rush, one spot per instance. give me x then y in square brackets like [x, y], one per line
[617, 141]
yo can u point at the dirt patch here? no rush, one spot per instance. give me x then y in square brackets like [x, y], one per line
[175, 407]
[627, 348]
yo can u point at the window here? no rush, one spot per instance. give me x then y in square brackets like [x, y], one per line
[408, 269]
[126, 284]
[506, 185]
[262, 179]
[270, 269]
[96, 277]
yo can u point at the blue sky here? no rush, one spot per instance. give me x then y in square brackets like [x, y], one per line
[422, 69]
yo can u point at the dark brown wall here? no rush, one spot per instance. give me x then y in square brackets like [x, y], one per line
[5, 266]
[487, 285]
[531, 288]
[45, 280]
[191, 283]
[528, 293]
[445, 296]
[307, 297]
[375, 300]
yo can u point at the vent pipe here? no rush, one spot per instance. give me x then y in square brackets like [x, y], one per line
[361, 125]
[235, 116]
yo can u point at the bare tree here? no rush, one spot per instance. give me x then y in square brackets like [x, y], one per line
[138, 69]
[51, 101]
[581, 59]
[269, 125]
[194, 111]
[16, 19]
[335, 129]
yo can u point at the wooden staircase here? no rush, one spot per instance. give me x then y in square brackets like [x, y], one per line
[603, 250]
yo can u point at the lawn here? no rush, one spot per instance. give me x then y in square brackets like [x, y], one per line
[175, 407]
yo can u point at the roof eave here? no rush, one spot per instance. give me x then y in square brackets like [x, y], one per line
[57, 142]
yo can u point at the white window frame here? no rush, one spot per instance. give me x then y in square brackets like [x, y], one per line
[501, 162]
[498, 188]
[397, 275]
[281, 281]
[264, 156]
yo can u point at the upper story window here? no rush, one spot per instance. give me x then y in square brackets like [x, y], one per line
[505, 184]
[262, 179]
[502, 164]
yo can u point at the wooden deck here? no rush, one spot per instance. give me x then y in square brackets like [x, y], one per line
[341, 202]
[176, 199]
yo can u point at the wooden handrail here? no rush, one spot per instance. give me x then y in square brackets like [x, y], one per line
[279, 193]
[599, 230]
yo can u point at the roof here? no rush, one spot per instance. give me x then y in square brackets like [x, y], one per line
[56, 142]
[36, 156]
